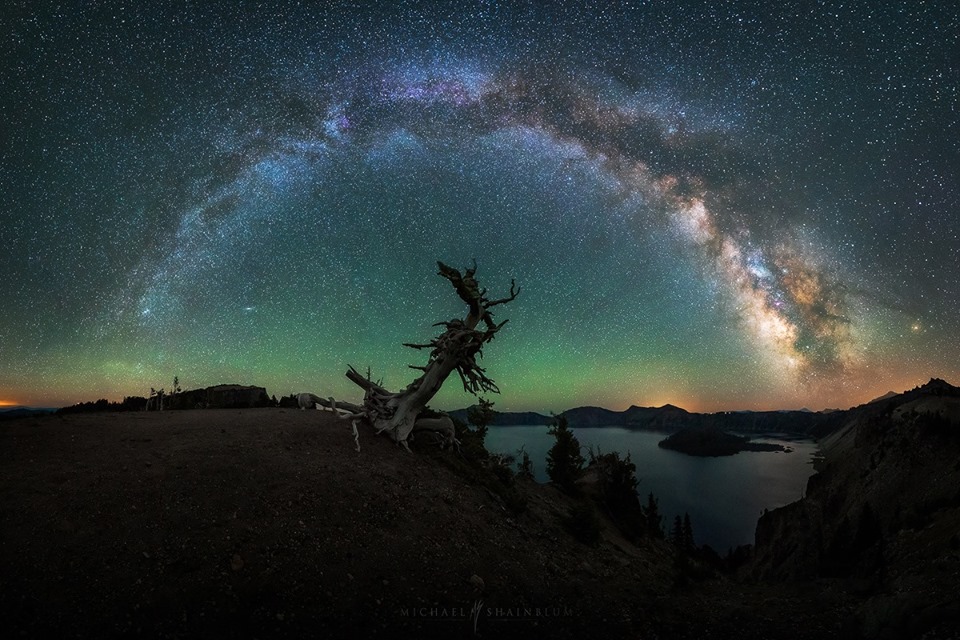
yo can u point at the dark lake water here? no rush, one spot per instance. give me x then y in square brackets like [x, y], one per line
[724, 496]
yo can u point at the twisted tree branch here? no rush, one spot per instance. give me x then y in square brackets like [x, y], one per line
[455, 349]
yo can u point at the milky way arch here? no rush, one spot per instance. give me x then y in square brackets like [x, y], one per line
[689, 181]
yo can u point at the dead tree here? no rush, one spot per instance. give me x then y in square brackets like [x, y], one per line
[456, 349]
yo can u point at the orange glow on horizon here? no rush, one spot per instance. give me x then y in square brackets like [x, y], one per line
[684, 402]
[8, 403]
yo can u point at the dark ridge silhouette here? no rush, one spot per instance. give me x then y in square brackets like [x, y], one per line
[24, 412]
[670, 419]
[881, 515]
[130, 403]
[513, 418]
[221, 396]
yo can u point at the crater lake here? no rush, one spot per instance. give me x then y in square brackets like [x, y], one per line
[723, 495]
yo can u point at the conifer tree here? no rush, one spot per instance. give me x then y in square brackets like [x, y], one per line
[564, 460]
[651, 514]
[525, 464]
[687, 533]
[481, 416]
[676, 533]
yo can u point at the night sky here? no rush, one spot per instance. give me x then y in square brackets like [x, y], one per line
[722, 205]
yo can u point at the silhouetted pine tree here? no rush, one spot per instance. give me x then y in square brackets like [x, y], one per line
[676, 533]
[681, 559]
[525, 464]
[564, 460]
[688, 544]
[651, 513]
[480, 416]
[617, 484]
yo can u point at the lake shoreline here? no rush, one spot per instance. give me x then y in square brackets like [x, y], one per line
[724, 496]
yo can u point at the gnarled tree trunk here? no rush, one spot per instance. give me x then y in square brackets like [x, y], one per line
[456, 349]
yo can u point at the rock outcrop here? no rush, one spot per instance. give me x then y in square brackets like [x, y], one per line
[221, 396]
[882, 515]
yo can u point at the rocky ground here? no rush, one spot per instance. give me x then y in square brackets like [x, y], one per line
[267, 523]
[881, 518]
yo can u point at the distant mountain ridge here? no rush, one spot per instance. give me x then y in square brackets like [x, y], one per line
[886, 396]
[509, 418]
[24, 412]
[670, 418]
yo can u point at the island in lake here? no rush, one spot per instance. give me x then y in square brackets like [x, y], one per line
[711, 441]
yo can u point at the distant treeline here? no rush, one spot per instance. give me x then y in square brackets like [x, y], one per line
[129, 403]
[232, 398]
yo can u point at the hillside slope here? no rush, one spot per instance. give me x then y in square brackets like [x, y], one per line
[881, 518]
[267, 523]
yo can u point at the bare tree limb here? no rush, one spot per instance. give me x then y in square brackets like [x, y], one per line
[455, 349]
[514, 292]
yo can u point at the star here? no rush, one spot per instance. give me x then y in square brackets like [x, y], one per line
[266, 198]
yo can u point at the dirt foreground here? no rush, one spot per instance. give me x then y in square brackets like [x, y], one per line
[267, 523]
